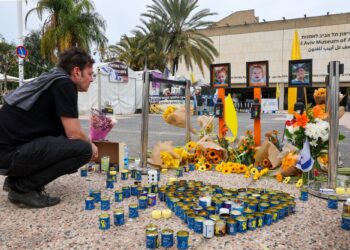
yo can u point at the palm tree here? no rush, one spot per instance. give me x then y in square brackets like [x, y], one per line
[35, 63]
[69, 23]
[129, 51]
[154, 43]
[184, 42]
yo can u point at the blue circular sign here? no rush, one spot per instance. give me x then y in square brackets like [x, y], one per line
[21, 52]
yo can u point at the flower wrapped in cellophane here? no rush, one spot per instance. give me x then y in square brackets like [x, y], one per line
[176, 116]
[100, 125]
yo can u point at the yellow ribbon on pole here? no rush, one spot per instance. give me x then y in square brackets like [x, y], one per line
[230, 115]
[296, 55]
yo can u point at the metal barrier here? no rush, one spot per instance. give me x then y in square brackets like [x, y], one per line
[147, 78]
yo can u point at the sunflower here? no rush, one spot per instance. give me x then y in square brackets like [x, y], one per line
[265, 163]
[207, 166]
[264, 171]
[226, 170]
[247, 174]
[202, 168]
[286, 180]
[198, 153]
[242, 168]
[169, 111]
[216, 159]
[279, 177]
[191, 145]
[299, 184]
[254, 170]
[219, 167]
[256, 176]
[197, 166]
[212, 154]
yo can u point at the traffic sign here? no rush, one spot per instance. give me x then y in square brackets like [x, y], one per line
[21, 51]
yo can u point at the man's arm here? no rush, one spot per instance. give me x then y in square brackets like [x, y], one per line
[74, 131]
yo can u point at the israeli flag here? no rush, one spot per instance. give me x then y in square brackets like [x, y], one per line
[305, 162]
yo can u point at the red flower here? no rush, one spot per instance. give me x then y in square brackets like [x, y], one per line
[315, 172]
[289, 123]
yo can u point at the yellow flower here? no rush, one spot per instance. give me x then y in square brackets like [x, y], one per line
[176, 163]
[286, 180]
[264, 171]
[247, 174]
[323, 159]
[299, 184]
[179, 151]
[254, 170]
[207, 165]
[320, 92]
[242, 168]
[250, 167]
[226, 170]
[169, 110]
[191, 145]
[256, 176]
[202, 168]
[219, 167]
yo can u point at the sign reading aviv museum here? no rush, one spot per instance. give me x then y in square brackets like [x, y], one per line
[322, 39]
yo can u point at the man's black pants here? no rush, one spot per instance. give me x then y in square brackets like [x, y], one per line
[37, 163]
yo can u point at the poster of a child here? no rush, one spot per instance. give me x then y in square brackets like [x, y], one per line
[257, 74]
[220, 75]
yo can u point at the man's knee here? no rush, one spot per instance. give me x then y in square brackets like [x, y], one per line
[84, 151]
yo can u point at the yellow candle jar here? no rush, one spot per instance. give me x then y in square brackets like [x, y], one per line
[172, 179]
[340, 190]
[156, 214]
[166, 213]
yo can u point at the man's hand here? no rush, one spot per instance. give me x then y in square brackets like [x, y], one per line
[94, 151]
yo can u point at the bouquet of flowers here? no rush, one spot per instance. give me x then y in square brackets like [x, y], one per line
[245, 150]
[176, 116]
[100, 125]
[306, 126]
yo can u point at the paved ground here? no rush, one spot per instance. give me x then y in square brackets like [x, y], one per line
[128, 130]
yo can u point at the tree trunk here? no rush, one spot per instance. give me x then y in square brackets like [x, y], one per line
[5, 81]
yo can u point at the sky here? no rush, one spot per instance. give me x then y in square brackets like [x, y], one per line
[122, 16]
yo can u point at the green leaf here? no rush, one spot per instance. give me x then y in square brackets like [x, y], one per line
[341, 137]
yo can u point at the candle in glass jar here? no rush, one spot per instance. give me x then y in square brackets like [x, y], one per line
[166, 213]
[156, 214]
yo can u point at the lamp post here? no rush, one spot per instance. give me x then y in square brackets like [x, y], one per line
[20, 40]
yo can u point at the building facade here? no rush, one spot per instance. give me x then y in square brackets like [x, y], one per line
[242, 38]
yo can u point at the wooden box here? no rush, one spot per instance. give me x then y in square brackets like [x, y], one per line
[115, 151]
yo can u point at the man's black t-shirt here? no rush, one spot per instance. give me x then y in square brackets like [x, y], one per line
[18, 126]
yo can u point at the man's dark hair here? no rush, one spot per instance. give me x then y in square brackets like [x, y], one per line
[74, 57]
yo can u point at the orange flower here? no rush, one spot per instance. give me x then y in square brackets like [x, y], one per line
[320, 111]
[279, 177]
[289, 161]
[301, 120]
[320, 92]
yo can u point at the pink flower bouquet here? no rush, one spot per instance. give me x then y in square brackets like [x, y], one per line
[100, 125]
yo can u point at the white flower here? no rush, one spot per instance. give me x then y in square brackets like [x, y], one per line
[317, 130]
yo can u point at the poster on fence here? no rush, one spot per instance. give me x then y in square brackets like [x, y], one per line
[269, 105]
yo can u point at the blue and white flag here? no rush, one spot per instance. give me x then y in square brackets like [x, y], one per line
[305, 162]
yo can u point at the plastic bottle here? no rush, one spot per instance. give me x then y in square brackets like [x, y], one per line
[126, 157]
